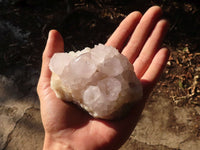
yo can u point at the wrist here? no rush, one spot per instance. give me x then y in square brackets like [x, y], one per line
[51, 143]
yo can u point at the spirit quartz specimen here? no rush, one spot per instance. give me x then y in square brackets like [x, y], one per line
[100, 80]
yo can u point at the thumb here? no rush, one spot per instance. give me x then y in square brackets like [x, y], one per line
[54, 44]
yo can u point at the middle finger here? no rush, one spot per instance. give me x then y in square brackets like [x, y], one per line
[141, 33]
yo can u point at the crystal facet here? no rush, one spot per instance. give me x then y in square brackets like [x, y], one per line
[100, 80]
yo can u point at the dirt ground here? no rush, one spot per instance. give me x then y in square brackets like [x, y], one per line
[24, 26]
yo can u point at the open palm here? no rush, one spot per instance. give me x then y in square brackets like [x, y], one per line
[67, 127]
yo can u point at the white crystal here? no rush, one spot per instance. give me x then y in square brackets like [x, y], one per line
[113, 63]
[100, 80]
[59, 61]
[92, 97]
[82, 67]
[110, 87]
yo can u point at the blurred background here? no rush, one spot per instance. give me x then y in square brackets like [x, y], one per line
[24, 27]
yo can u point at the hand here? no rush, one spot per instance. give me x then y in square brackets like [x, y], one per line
[67, 127]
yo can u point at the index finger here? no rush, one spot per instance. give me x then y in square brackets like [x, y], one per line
[124, 30]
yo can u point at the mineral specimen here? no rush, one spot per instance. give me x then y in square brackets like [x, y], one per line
[100, 80]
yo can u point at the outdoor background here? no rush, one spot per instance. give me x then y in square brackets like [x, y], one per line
[171, 119]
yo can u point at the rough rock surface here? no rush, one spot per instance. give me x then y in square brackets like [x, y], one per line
[100, 80]
[165, 127]
[19, 115]
[162, 126]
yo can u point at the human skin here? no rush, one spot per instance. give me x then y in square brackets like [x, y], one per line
[67, 126]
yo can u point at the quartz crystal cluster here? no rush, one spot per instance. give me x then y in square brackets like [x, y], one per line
[100, 80]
